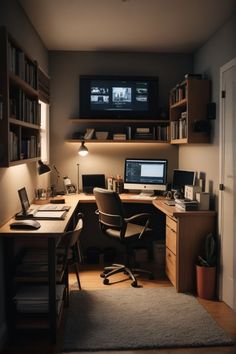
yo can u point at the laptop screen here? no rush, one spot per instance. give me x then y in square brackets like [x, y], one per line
[25, 205]
[91, 181]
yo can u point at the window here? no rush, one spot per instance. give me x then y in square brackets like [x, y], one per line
[44, 136]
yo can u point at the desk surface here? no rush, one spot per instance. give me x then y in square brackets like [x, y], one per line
[51, 228]
[172, 211]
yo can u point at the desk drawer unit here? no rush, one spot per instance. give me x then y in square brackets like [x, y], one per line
[171, 241]
[171, 266]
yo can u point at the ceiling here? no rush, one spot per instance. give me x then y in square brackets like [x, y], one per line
[180, 26]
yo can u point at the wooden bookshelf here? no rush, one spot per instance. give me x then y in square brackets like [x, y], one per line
[20, 117]
[188, 112]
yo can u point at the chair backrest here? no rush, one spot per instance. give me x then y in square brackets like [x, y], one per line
[110, 209]
[70, 238]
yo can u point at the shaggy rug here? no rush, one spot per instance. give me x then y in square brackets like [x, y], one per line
[119, 319]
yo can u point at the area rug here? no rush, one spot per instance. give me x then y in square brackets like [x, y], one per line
[138, 318]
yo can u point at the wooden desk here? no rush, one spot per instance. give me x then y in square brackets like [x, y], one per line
[50, 231]
[185, 231]
[184, 234]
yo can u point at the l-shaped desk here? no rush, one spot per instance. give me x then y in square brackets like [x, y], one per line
[185, 232]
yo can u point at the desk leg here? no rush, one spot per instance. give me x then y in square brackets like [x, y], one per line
[52, 313]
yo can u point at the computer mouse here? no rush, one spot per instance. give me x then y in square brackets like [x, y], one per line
[25, 225]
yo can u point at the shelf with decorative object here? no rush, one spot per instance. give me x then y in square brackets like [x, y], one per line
[189, 102]
[20, 118]
[120, 130]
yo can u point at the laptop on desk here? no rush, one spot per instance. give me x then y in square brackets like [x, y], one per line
[40, 212]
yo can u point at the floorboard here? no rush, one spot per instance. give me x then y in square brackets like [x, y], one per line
[90, 280]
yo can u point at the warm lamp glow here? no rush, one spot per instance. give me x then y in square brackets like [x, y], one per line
[83, 150]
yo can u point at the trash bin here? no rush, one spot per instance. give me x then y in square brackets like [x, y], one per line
[159, 254]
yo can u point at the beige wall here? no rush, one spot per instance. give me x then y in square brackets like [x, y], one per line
[65, 68]
[220, 49]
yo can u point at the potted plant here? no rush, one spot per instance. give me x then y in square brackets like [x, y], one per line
[206, 269]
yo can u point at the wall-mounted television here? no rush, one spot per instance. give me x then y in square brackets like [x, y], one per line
[118, 97]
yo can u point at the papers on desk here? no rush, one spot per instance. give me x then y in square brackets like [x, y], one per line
[53, 207]
[52, 215]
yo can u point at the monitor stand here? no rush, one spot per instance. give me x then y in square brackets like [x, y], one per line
[146, 193]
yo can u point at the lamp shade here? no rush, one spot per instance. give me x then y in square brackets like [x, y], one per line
[43, 168]
[83, 150]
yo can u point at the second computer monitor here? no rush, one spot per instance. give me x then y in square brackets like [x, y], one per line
[182, 178]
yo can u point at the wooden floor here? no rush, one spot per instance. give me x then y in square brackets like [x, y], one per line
[90, 280]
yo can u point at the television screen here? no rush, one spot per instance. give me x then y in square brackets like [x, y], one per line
[118, 97]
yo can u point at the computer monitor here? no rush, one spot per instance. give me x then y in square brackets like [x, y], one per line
[182, 178]
[91, 181]
[145, 175]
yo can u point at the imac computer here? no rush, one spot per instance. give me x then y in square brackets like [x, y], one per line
[145, 175]
[182, 178]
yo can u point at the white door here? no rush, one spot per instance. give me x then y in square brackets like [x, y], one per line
[227, 197]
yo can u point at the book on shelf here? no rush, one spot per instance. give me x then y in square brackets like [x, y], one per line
[174, 130]
[162, 132]
[182, 128]
[119, 136]
[144, 136]
[143, 130]
[129, 132]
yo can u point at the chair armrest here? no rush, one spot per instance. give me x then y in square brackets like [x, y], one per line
[138, 216]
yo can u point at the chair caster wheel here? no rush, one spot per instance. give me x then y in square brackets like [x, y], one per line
[106, 281]
[134, 284]
[102, 275]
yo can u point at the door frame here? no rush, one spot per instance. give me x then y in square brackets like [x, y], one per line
[223, 68]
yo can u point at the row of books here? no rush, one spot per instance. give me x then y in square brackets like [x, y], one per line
[178, 93]
[28, 147]
[24, 108]
[179, 128]
[159, 132]
[21, 66]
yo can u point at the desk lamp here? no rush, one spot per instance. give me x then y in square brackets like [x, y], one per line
[43, 168]
[83, 151]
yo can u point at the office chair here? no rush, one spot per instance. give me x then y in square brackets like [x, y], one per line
[114, 224]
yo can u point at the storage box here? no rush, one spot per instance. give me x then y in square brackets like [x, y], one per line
[203, 199]
[190, 192]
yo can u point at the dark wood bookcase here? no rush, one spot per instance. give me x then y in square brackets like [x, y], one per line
[20, 109]
[188, 112]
